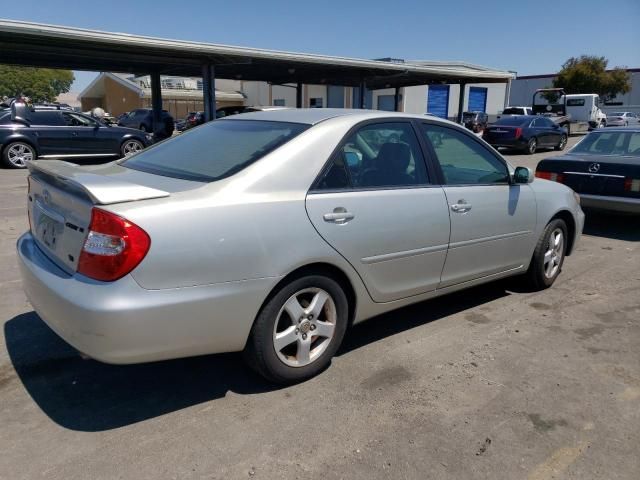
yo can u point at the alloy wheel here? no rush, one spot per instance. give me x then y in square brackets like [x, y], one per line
[130, 147]
[19, 154]
[563, 142]
[533, 145]
[305, 326]
[553, 255]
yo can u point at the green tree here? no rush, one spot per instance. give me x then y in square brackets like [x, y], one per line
[38, 84]
[588, 74]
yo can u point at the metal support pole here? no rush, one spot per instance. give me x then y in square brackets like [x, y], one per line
[363, 85]
[461, 101]
[396, 99]
[209, 91]
[298, 95]
[156, 105]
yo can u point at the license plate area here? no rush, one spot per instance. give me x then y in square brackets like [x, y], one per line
[49, 226]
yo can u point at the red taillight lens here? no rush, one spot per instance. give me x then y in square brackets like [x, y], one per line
[554, 177]
[114, 246]
[632, 184]
[518, 132]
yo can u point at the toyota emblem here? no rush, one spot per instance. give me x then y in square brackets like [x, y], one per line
[594, 167]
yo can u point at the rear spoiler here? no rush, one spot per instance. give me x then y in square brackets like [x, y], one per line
[101, 189]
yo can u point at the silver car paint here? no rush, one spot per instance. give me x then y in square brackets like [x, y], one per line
[219, 249]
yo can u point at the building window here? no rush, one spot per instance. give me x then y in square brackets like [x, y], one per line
[278, 102]
[315, 102]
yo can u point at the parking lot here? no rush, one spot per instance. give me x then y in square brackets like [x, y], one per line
[493, 382]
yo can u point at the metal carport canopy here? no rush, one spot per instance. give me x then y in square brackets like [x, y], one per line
[40, 45]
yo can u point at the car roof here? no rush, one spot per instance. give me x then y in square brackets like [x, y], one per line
[311, 116]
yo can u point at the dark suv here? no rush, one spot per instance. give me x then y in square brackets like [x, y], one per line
[475, 121]
[142, 119]
[27, 134]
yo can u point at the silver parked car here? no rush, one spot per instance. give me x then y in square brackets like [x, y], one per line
[622, 119]
[272, 232]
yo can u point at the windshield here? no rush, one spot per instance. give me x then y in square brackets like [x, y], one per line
[214, 150]
[610, 143]
[513, 121]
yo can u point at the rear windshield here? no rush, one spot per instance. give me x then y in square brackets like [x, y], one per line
[514, 121]
[610, 143]
[214, 150]
[513, 111]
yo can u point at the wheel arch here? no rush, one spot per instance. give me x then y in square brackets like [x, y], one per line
[318, 268]
[570, 222]
[19, 138]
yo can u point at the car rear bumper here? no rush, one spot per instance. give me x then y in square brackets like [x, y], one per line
[617, 204]
[507, 143]
[121, 322]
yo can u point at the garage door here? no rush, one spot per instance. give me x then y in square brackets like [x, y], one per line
[477, 99]
[438, 100]
[335, 96]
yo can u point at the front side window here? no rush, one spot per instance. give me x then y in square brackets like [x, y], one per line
[216, 150]
[75, 120]
[377, 156]
[463, 160]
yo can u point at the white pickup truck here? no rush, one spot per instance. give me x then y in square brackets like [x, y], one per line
[576, 112]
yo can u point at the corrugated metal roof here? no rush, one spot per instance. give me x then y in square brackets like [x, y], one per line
[70, 47]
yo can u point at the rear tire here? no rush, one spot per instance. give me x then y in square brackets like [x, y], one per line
[282, 346]
[18, 154]
[532, 146]
[548, 256]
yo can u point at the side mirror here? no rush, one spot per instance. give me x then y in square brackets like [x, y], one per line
[523, 175]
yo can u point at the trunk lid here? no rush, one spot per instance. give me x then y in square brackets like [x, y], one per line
[595, 174]
[62, 195]
[498, 132]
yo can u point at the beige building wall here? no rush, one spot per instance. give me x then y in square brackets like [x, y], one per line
[118, 98]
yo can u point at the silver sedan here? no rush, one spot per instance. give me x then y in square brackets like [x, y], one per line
[272, 232]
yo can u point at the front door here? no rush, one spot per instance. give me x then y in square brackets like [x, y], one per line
[492, 221]
[376, 206]
[88, 135]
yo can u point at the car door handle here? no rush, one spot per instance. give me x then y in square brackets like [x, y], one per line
[339, 215]
[461, 207]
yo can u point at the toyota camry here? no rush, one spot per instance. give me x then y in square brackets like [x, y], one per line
[273, 232]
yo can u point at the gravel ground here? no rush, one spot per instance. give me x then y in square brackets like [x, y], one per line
[492, 383]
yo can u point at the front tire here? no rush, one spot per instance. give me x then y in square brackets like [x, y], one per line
[562, 144]
[548, 256]
[298, 330]
[18, 154]
[130, 146]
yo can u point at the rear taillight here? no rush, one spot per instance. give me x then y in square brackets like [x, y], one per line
[518, 132]
[632, 184]
[114, 247]
[554, 177]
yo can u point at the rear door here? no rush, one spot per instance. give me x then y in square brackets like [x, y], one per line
[492, 221]
[52, 136]
[375, 204]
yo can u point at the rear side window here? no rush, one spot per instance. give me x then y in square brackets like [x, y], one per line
[215, 150]
[46, 118]
[463, 160]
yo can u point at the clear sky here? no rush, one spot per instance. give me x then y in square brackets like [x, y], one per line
[529, 37]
